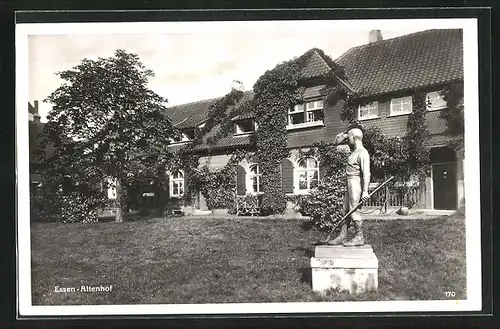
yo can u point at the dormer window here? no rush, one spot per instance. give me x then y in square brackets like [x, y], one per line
[186, 135]
[306, 115]
[244, 127]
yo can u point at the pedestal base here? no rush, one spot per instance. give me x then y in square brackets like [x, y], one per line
[354, 269]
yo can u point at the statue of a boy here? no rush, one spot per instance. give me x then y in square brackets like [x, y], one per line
[357, 180]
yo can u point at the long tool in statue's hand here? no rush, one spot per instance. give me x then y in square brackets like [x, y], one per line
[343, 219]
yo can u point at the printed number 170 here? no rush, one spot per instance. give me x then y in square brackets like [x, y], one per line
[449, 294]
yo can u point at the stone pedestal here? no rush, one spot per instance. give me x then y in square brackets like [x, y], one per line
[345, 268]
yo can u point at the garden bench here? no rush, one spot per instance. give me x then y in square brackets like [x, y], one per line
[247, 206]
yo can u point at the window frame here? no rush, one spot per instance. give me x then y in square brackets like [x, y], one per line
[237, 130]
[304, 110]
[298, 171]
[431, 108]
[250, 176]
[184, 137]
[370, 116]
[391, 107]
[182, 180]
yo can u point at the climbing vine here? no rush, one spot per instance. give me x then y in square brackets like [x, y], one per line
[454, 115]
[417, 136]
[218, 186]
[402, 157]
[187, 158]
[324, 203]
[276, 92]
[220, 113]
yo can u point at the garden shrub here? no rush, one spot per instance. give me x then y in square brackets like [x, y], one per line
[50, 204]
[45, 205]
[324, 204]
[77, 207]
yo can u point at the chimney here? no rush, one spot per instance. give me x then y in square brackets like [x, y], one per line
[375, 36]
[237, 85]
[33, 112]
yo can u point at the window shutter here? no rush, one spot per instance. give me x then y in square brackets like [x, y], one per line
[240, 180]
[287, 175]
[167, 184]
[186, 182]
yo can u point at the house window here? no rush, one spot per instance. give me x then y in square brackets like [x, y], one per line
[255, 178]
[186, 135]
[402, 105]
[307, 174]
[368, 111]
[435, 101]
[244, 127]
[307, 114]
[177, 184]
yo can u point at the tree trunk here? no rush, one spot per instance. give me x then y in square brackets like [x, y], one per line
[119, 199]
[386, 201]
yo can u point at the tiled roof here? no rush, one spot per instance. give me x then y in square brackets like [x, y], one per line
[415, 60]
[190, 114]
[314, 91]
[315, 66]
[223, 142]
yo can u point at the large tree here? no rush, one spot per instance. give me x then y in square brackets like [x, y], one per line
[106, 124]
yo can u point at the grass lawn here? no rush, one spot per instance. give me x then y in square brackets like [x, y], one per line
[222, 260]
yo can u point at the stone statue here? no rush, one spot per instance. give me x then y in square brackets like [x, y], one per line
[357, 180]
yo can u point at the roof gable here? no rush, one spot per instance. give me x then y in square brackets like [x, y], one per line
[415, 60]
[315, 66]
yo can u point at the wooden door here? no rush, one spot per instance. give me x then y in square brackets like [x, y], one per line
[445, 186]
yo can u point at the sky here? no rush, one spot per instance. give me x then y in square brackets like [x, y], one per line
[193, 63]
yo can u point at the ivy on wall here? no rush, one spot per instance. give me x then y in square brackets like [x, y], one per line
[403, 157]
[187, 159]
[417, 136]
[218, 186]
[324, 204]
[275, 92]
[454, 115]
[220, 113]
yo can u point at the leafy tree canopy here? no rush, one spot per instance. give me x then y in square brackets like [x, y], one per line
[106, 123]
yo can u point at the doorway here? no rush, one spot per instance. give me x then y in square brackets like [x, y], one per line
[444, 186]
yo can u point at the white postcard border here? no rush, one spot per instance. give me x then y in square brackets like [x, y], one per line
[471, 168]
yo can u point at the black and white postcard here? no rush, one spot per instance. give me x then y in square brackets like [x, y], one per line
[248, 167]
